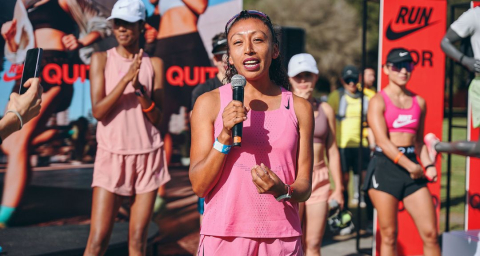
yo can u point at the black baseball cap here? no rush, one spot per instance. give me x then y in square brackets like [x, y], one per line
[219, 44]
[397, 55]
[350, 72]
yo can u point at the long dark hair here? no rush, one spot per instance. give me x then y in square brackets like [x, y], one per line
[276, 72]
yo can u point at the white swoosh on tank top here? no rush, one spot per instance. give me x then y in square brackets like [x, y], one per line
[398, 124]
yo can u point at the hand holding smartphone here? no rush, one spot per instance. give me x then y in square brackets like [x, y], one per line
[31, 67]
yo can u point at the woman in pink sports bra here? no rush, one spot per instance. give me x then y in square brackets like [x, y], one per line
[303, 73]
[126, 90]
[396, 117]
[252, 192]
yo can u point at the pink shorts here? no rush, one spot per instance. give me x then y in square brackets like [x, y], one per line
[128, 175]
[320, 184]
[241, 246]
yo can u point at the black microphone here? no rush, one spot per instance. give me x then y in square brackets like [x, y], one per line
[238, 84]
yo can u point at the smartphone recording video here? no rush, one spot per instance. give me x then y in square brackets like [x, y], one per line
[31, 66]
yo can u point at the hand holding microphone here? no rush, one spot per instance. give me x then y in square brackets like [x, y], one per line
[235, 112]
[238, 87]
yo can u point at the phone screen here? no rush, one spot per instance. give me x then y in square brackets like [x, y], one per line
[31, 67]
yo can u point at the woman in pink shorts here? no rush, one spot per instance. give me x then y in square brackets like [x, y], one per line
[252, 192]
[126, 90]
[303, 73]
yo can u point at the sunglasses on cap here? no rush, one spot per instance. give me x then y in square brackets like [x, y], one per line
[397, 67]
[251, 12]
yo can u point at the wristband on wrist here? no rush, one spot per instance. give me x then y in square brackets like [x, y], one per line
[286, 196]
[397, 158]
[18, 115]
[146, 110]
[222, 148]
[428, 166]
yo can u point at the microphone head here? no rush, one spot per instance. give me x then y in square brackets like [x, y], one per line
[238, 81]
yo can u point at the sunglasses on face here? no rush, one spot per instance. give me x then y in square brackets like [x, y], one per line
[397, 67]
[351, 80]
[251, 12]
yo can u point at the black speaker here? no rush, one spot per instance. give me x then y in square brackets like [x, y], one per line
[292, 41]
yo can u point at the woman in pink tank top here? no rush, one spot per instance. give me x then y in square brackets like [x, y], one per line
[303, 73]
[252, 192]
[126, 88]
[396, 117]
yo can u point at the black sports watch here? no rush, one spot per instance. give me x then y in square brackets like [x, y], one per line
[141, 91]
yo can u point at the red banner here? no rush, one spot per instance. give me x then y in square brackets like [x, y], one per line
[419, 26]
[472, 206]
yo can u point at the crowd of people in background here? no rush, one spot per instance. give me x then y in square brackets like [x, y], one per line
[273, 194]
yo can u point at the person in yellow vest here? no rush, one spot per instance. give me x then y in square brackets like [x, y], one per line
[346, 102]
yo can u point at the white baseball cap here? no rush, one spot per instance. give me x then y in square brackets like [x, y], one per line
[302, 62]
[128, 10]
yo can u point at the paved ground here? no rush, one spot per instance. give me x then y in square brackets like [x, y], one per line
[63, 196]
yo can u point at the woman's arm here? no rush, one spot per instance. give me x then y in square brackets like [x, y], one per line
[90, 38]
[206, 162]
[101, 103]
[72, 43]
[82, 12]
[420, 147]
[155, 115]
[9, 30]
[303, 182]
[333, 155]
[377, 123]
[197, 6]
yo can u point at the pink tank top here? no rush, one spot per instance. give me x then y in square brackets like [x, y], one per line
[399, 119]
[126, 129]
[320, 132]
[234, 207]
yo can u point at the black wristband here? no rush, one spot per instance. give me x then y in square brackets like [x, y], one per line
[428, 166]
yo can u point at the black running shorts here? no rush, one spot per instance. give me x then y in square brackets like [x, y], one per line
[386, 176]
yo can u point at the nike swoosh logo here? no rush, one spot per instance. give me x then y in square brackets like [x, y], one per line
[394, 35]
[402, 54]
[398, 124]
[7, 78]
[375, 184]
[288, 104]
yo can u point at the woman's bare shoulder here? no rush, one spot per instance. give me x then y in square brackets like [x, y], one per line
[208, 104]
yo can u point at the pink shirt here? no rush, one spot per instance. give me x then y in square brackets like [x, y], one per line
[234, 207]
[126, 129]
[399, 119]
